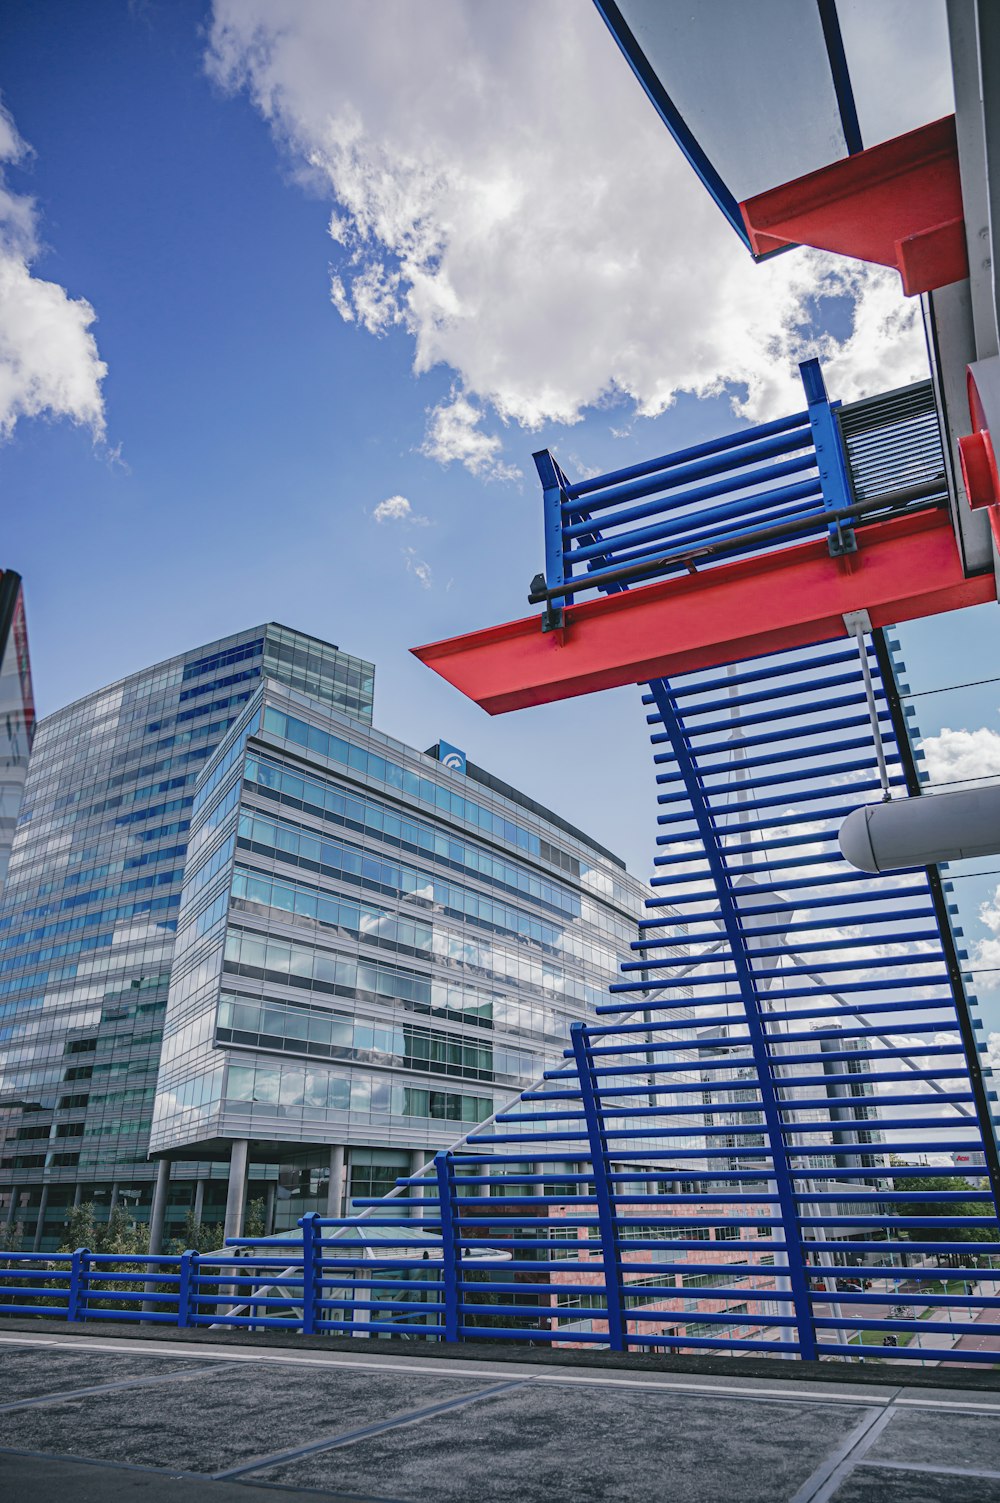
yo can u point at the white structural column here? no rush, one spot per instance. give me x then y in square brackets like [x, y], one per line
[418, 1158]
[158, 1209]
[335, 1189]
[236, 1194]
[43, 1206]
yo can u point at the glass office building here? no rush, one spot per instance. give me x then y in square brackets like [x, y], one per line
[374, 951]
[17, 710]
[365, 950]
[88, 916]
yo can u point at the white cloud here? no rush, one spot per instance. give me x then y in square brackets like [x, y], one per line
[418, 567]
[48, 356]
[453, 432]
[986, 952]
[505, 194]
[993, 1052]
[398, 509]
[960, 756]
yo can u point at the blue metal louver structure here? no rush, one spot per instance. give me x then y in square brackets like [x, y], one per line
[776, 1137]
[789, 1056]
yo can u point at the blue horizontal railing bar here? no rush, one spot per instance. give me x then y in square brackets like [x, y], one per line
[667, 505]
[694, 452]
[725, 528]
[732, 704]
[737, 677]
[674, 472]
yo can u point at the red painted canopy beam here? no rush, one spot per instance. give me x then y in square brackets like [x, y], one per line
[897, 204]
[904, 568]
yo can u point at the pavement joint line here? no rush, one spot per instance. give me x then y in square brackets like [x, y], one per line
[962, 1405]
[365, 1432]
[43, 1400]
[752, 1395]
[320, 1492]
[828, 1477]
[659, 1382]
[181, 1475]
[928, 1468]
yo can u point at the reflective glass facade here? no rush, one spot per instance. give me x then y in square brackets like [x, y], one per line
[89, 914]
[17, 710]
[373, 950]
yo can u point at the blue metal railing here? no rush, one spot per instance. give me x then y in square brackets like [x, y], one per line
[735, 1156]
[765, 487]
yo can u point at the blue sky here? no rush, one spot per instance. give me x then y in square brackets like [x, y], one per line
[370, 258]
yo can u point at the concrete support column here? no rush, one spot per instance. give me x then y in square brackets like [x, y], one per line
[12, 1204]
[40, 1223]
[158, 1208]
[269, 1198]
[77, 1194]
[199, 1201]
[335, 1189]
[236, 1193]
[114, 1199]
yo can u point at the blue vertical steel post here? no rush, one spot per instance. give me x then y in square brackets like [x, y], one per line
[606, 1219]
[311, 1271]
[83, 1287]
[830, 458]
[444, 1168]
[770, 1105]
[75, 1275]
[185, 1287]
[553, 497]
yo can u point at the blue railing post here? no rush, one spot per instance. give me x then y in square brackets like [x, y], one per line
[606, 1218]
[444, 1166]
[778, 1141]
[830, 459]
[186, 1288]
[312, 1241]
[553, 498]
[77, 1286]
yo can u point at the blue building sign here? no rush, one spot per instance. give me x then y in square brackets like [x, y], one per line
[451, 756]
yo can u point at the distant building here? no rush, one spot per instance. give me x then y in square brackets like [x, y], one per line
[17, 709]
[88, 915]
[365, 949]
[375, 950]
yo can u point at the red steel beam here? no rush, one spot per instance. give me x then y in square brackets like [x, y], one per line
[904, 568]
[897, 204]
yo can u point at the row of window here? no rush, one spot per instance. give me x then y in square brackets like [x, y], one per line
[77, 947]
[289, 964]
[382, 770]
[224, 763]
[292, 1029]
[367, 815]
[11, 942]
[282, 841]
[377, 926]
[290, 1087]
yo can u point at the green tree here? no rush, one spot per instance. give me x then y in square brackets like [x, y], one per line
[254, 1220]
[932, 1208]
[197, 1236]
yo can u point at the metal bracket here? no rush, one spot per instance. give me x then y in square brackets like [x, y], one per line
[552, 616]
[842, 540]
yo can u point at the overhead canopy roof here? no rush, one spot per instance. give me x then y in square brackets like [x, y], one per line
[755, 94]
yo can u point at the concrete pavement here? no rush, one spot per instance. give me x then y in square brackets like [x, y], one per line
[162, 1421]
